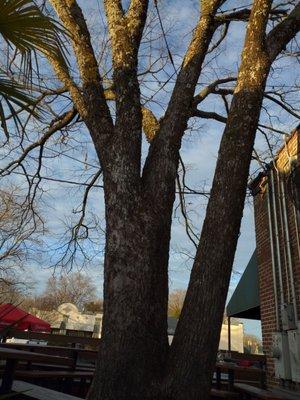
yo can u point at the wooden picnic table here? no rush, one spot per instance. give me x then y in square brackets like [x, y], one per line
[257, 393]
[232, 368]
[40, 393]
[82, 358]
[56, 339]
[13, 356]
[63, 350]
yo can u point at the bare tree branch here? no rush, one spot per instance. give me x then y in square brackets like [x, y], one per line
[56, 125]
[283, 33]
[209, 115]
[211, 88]
[244, 14]
[91, 104]
[135, 20]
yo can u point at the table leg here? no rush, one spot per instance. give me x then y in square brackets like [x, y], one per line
[8, 376]
[74, 357]
[263, 380]
[29, 363]
[218, 377]
[231, 379]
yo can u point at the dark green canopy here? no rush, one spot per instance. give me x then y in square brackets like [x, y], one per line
[244, 302]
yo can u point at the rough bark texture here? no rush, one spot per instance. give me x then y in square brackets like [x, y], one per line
[134, 336]
[197, 335]
[138, 236]
[134, 360]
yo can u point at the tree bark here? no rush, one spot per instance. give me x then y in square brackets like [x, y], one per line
[134, 338]
[193, 351]
[136, 281]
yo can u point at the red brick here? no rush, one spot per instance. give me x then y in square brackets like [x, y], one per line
[267, 298]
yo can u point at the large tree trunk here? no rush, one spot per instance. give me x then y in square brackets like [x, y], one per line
[194, 348]
[193, 352]
[134, 343]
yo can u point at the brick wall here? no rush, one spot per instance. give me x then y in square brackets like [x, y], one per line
[267, 296]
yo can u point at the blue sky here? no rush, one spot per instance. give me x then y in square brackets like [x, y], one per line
[199, 150]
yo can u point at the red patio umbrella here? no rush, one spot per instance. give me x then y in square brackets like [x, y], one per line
[11, 315]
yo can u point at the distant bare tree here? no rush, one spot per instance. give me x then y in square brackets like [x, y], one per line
[252, 344]
[12, 292]
[20, 228]
[95, 306]
[176, 300]
[74, 287]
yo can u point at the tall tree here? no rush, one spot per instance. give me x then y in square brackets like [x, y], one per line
[74, 287]
[20, 240]
[176, 300]
[135, 360]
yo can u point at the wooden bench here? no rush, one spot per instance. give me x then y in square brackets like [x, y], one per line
[34, 374]
[223, 394]
[58, 380]
[48, 367]
[253, 392]
[57, 340]
[35, 367]
[80, 357]
[237, 372]
[40, 393]
[61, 351]
[13, 356]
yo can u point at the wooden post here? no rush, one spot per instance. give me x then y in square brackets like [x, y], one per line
[218, 378]
[8, 376]
[229, 335]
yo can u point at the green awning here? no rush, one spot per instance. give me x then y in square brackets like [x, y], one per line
[244, 302]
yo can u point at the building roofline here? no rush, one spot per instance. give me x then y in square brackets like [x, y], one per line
[256, 183]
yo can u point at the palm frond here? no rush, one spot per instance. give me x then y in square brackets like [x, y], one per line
[12, 95]
[15, 91]
[24, 26]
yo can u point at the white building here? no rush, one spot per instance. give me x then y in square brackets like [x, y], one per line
[236, 334]
[68, 318]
